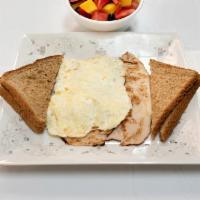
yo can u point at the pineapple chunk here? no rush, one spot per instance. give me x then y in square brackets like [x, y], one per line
[88, 6]
[125, 3]
[109, 8]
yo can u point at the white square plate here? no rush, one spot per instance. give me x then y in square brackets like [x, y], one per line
[20, 146]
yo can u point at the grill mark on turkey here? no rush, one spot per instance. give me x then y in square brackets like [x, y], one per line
[135, 99]
[126, 120]
[136, 136]
[131, 67]
[133, 78]
[143, 91]
[129, 89]
[143, 76]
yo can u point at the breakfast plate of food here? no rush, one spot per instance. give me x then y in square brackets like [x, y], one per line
[99, 98]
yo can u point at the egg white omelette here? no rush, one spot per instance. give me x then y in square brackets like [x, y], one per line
[88, 94]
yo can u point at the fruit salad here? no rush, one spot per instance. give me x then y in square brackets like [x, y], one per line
[104, 10]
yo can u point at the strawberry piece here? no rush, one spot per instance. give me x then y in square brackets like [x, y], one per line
[118, 8]
[135, 5]
[129, 7]
[123, 12]
[83, 13]
[101, 3]
[116, 2]
[100, 16]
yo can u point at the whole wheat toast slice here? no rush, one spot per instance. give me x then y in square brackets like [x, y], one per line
[10, 100]
[172, 120]
[28, 89]
[169, 85]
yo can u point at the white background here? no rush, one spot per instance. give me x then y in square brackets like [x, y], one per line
[98, 182]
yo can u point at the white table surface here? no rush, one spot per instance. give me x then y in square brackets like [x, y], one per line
[98, 182]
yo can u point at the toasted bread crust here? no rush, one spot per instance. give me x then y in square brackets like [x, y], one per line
[172, 120]
[10, 93]
[160, 70]
[6, 75]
